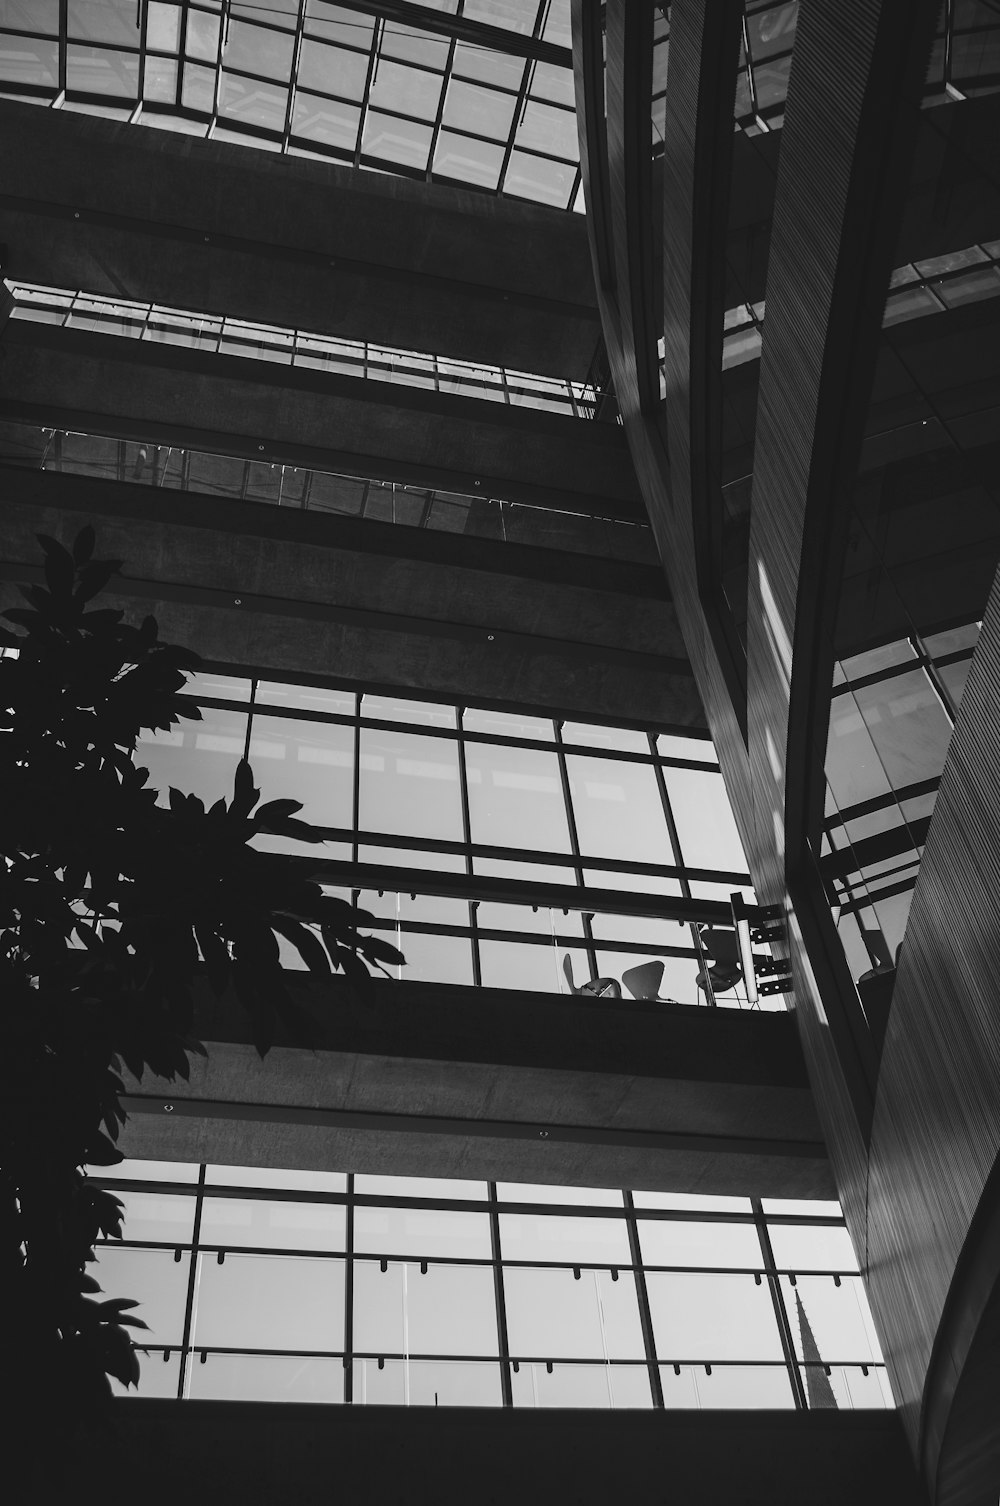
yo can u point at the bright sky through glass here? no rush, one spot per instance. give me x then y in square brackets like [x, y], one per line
[733, 1303]
[475, 92]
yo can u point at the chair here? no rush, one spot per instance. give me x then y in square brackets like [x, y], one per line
[601, 988]
[643, 982]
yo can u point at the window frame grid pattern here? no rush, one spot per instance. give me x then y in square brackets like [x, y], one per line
[305, 350]
[460, 866]
[803, 1371]
[170, 468]
[854, 868]
[529, 57]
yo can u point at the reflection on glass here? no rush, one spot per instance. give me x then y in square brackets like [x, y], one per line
[618, 810]
[515, 797]
[162, 1218]
[409, 785]
[233, 1222]
[421, 1231]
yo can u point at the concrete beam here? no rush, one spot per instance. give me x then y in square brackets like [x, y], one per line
[433, 1079]
[211, 1453]
[365, 603]
[79, 379]
[153, 215]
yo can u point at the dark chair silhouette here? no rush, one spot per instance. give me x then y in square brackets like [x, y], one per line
[601, 988]
[722, 952]
[643, 982]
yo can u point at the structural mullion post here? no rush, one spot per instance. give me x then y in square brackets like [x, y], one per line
[574, 837]
[645, 1313]
[463, 774]
[675, 842]
[63, 44]
[780, 1311]
[192, 1285]
[503, 1344]
[143, 25]
[293, 75]
[349, 1295]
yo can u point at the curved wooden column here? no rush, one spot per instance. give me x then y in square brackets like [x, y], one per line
[934, 1190]
[849, 126]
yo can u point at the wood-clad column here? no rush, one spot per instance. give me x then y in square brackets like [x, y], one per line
[849, 123]
[936, 1132]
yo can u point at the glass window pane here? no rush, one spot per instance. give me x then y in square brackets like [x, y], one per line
[147, 1171]
[409, 785]
[539, 179]
[441, 1310]
[468, 160]
[704, 820]
[484, 111]
[384, 708]
[392, 139]
[708, 1318]
[29, 60]
[553, 1314]
[696, 1201]
[427, 1383]
[162, 27]
[98, 70]
[270, 1302]
[422, 1231]
[266, 1377]
[532, 1192]
[159, 1373]
[611, 1386]
[263, 1176]
[101, 21]
[327, 121]
[551, 1236]
[829, 1322]
[155, 1280]
[503, 724]
[312, 762]
[515, 798]
[618, 810]
[411, 91]
[198, 758]
[305, 697]
[165, 1218]
[259, 49]
[520, 965]
[808, 1207]
[233, 1222]
[332, 70]
[666, 1242]
[618, 739]
[812, 1249]
[750, 1386]
[369, 1185]
[247, 101]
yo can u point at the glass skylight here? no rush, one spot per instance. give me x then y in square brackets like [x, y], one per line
[476, 92]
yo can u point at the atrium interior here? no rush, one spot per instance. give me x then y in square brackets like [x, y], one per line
[568, 434]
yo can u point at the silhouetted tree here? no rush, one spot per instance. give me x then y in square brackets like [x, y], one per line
[111, 908]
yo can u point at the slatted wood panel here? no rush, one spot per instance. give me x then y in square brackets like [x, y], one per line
[936, 1133]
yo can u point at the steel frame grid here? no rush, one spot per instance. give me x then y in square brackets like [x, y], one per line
[767, 1272]
[454, 29]
[474, 932]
